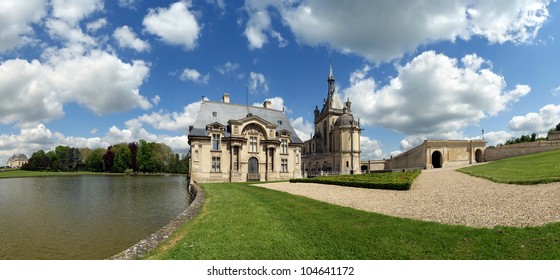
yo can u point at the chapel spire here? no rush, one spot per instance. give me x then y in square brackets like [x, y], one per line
[331, 80]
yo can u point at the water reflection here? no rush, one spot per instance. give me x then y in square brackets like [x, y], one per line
[85, 217]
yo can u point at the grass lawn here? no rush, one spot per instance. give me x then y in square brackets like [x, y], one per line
[531, 169]
[24, 173]
[239, 221]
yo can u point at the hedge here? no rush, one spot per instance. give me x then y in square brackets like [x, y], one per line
[392, 181]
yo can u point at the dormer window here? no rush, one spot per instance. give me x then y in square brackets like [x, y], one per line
[214, 114]
[216, 142]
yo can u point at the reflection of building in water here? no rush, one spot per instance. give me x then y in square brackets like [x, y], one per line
[237, 143]
[335, 145]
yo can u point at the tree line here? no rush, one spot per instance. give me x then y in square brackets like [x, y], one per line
[142, 156]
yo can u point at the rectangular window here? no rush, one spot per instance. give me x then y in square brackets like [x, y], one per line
[216, 142]
[284, 147]
[253, 144]
[215, 164]
[284, 165]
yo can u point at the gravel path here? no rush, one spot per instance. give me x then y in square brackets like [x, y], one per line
[446, 196]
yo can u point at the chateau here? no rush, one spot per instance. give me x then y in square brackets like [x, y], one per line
[335, 145]
[17, 161]
[238, 143]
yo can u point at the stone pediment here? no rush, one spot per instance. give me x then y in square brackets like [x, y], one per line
[215, 126]
[284, 132]
[252, 119]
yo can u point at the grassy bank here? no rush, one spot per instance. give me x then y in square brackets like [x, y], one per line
[531, 169]
[239, 221]
[386, 180]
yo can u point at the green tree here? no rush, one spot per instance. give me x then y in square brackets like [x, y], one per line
[133, 147]
[38, 161]
[94, 161]
[122, 158]
[163, 156]
[145, 157]
[63, 158]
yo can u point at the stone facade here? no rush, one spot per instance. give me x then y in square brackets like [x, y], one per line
[17, 161]
[237, 143]
[335, 145]
[440, 153]
[553, 136]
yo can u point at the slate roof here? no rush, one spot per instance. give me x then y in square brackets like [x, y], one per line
[228, 111]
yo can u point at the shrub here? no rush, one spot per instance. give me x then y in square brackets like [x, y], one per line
[392, 181]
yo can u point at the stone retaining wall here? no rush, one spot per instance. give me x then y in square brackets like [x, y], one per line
[139, 249]
[520, 149]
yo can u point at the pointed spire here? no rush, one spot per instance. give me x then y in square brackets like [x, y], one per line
[331, 75]
[330, 80]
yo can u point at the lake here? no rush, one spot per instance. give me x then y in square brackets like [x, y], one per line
[84, 217]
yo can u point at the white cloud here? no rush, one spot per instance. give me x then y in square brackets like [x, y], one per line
[277, 103]
[432, 95]
[385, 30]
[129, 4]
[29, 140]
[494, 138]
[74, 11]
[555, 91]
[126, 38]
[370, 148]
[71, 33]
[257, 83]
[303, 128]
[25, 86]
[547, 118]
[175, 25]
[172, 121]
[100, 82]
[221, 4]
[258, 23]
[156, 99]
[412, 141]
[96, 25]
[501, 21]
[227, 68]
[195, 76]
[16, 18]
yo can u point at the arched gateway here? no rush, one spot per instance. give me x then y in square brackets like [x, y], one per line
[437, 159]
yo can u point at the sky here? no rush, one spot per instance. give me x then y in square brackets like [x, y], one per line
[92, 73]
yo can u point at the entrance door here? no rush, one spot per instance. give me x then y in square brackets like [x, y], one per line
[478, 155]
[253, 174]
[437, 159]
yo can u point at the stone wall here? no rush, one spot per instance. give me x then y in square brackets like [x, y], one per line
[414, 158]
[520, 149]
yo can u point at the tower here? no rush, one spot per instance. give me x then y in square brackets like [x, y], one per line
[335, 144]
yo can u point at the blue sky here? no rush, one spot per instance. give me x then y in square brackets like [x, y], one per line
[92, 73]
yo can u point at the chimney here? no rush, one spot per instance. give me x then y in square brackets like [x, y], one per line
[225, 98]
[267, 104]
